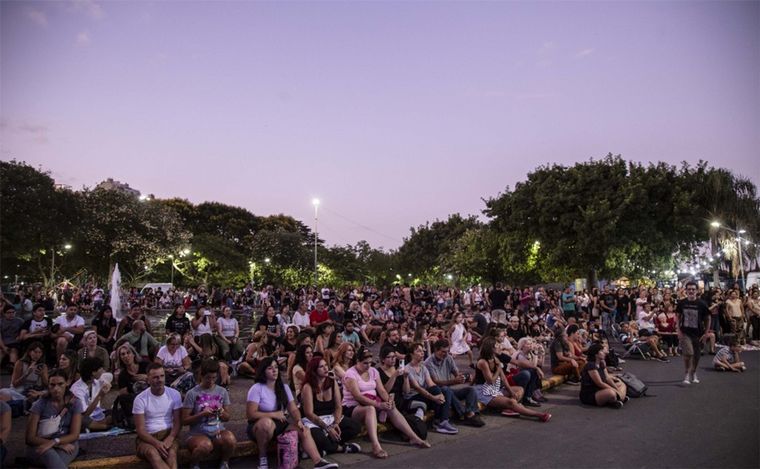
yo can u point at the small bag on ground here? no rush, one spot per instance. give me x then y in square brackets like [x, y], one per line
[635, 387]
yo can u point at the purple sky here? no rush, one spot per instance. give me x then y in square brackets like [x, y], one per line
[391, 113]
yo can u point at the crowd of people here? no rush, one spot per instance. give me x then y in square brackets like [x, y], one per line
[327, 363]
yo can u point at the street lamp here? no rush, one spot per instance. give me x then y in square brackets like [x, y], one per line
[315, 202]
[67, 247]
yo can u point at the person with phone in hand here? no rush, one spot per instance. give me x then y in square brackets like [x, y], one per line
[455, 385]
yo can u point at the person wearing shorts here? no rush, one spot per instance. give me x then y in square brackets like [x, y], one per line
[692, 324]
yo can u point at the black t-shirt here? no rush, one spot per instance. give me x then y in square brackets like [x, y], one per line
[103, 325]
[623, 302]
[691, 317]
[498, 298]
[177, 325]
[586, 381]
[609, 301]
[515, 334]
[270, 325]
[126, 380]
[482, 324]
[398, 348]
[397, 389]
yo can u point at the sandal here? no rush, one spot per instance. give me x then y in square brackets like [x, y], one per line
[422, 444]
[380, 454]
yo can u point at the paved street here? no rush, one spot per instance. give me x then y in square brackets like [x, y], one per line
[712, 424]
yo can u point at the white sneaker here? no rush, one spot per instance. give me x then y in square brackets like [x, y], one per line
[694, 379]
[419, 413]
[686, 380]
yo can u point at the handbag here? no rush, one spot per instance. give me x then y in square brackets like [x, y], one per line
[287, 450]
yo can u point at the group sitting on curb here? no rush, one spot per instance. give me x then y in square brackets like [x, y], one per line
[317, 385]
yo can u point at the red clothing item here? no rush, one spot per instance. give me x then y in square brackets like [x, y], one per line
[315, 317]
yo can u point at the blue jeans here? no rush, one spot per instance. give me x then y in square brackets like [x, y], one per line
[528, 380]
[442, 411]
[454, 398]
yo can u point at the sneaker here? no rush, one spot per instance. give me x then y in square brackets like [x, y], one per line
[694, 379]
[545, 417]
[445, 427]
[509, 413]
[474, 421]
[352, 448]
[325, 464]
[686, 380]
[263, 463]
[539, 397]
[621, 361]
[419, 413]
[530, 402]
[626, 399]
[617, 405]
[663, 360]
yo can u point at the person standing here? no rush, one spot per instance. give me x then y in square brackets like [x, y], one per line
[156, 413]
[692, 324]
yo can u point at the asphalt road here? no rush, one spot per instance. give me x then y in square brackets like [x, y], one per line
[708, 425]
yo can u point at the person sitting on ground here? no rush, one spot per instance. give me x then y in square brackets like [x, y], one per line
[52, 432]
[204, 326]
[491, 385]
[156, 413]
[349, 333]
[104, 325]
[648, 331]
[92, 349]
[68, 330]
[422, 388]
[269, 324]
[343, 359]
[287, 346]
[318, 315]
[458, 338]
[174, 358]
[69, 364]
[254, 353]
[228, 339]
[323, 411]
[597, 387]
[393, 342]
[38, 328]
[204, 409]
[140, 340]
[562, 362]
[136, 313]
[727, 358]
[298, 372]
[366, 397]
[10, 335]
[324, 331]
[267, 402]
[444, 373]
[178, 323]
[301, 318]
[30, 374]
[526, 360]
[90, 390]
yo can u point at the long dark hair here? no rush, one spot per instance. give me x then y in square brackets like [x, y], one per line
[279, 388]
[301, 355]
[487, 348]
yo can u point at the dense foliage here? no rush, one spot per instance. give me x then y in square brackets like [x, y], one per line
[596, 219]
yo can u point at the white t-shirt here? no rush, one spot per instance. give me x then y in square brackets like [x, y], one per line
[80, 390]
[172, 360]
[158, 410]
[301, 320]
[65, 323]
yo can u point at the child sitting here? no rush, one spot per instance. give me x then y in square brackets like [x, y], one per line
[727, 357]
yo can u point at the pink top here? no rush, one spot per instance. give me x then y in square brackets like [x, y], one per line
[365, 387]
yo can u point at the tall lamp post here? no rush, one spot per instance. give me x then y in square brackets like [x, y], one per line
[739, 240]
[315, 202]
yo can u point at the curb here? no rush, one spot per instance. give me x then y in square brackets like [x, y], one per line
[244, 448]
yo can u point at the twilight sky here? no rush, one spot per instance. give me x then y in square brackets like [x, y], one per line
[392, 113]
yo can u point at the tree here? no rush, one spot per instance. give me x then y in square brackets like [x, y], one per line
[35, 219]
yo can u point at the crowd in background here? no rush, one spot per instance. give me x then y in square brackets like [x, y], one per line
[327, 362]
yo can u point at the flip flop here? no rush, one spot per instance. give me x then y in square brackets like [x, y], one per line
[422, 444]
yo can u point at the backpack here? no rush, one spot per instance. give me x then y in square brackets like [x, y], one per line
[634, 386]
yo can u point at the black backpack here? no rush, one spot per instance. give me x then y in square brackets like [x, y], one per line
[635, 387]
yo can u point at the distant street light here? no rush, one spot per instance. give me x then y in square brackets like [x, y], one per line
[315, 202]
[267, 260]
